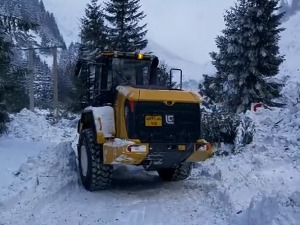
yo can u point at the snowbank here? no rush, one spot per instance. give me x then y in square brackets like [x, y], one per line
[33, 126]
[268, 166]
[44, 176]
[261, 184]
[275, 210]
[14, 152]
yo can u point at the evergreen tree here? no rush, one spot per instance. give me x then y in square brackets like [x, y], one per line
[248, 56]
[4, 69]
[93, 31]
[66, 65]
[12, 91]
[43, 85]
[125, 33]
[15, 97]
[164, 75]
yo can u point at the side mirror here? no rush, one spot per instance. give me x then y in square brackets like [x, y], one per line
[171, 76]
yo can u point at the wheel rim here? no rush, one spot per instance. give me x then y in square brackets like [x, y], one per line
[83, 161]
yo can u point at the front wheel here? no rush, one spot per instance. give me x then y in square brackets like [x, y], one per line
[93, 173]
[181, 172]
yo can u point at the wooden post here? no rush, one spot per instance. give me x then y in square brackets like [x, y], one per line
[54, 72]
[31, 81]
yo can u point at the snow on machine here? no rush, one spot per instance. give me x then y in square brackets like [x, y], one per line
[129, 119]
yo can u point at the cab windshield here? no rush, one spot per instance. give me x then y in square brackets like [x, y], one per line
[130, 71]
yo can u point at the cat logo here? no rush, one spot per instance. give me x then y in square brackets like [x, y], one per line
[170, 119]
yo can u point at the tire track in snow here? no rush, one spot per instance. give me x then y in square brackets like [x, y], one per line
[138, 197]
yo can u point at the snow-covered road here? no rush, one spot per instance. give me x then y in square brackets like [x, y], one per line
[42, 185]
[46, 191]
[258, 186]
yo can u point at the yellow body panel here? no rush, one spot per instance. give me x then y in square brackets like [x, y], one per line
[200, 155]
[100, 138]
[120, 155]
[153, 95]
[121, 131]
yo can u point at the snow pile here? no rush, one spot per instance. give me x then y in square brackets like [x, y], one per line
[271, 164]
[275, 210]
[33, 126]
[42, 177]
[262, 181]
[14, 152]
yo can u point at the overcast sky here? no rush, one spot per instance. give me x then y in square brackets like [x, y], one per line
[186, 28]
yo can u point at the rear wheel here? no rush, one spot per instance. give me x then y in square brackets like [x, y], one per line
[94, 175]
[181, 172]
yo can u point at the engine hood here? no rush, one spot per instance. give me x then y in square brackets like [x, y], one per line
[168, 95]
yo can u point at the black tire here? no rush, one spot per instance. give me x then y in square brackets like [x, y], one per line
[182, 172]
[94, 176]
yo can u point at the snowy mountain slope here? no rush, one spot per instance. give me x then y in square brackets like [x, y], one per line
[186, 31]
[190, 69]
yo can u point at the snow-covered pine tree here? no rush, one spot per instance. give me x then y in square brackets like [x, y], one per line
[16, 96]
[66, 65]
[125, 32]
[43, 86]
[164, 75]
[4, 64]
[14, 79]
[8, 81]
[93, 30]
[248, 56]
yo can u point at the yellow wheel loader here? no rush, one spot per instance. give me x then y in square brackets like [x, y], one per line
[129, 119]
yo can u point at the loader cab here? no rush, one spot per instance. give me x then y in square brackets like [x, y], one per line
[126, 69]
[132, 72]
[101, 76]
